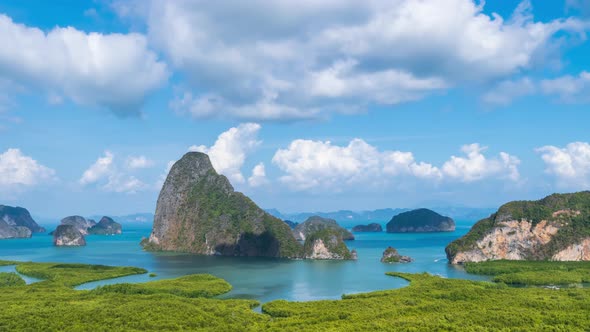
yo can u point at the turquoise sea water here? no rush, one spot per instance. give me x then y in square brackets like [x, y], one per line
[256, 278]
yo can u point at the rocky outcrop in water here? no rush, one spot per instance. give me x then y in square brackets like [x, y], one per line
[327, 244]
[106, 226]
[16, 222]
[390, 255]
[372, 227]
[68, 235]
[314, 224]
[420, 221]
[554, 228]
[80, 223]
[199, 212]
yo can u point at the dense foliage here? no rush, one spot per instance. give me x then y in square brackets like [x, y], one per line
[74, 274]
[429, 303]
[332, 240]
[197, 285]
[315, 224]
[10, 279]
[574, 222]
[419, 219]
[533, 272]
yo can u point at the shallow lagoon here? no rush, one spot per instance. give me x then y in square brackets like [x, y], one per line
[256, 278]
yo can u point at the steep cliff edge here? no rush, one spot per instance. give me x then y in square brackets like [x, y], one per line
[556, 227]
[199, 212]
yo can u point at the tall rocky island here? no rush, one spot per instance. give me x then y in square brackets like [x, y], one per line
[556, 227]
[199, 212]
[16, 222]
[420, 221]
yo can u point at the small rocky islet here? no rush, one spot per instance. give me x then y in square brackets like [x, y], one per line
[372, 227]
[391, 255]
[420, 221]
[73, 229]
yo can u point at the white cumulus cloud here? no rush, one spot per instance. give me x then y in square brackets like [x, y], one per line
[115, 70]
[571, 89]
[136, 162]
[105, 173]
[287, 60]
[475, 166]
[230, 150]
[570, 165]
[19, 171]
[311, 164]
[258, 177]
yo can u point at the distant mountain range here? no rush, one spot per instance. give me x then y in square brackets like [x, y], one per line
[346, 218]
[351, 218]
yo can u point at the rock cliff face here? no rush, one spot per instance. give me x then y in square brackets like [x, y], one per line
[80, 223]
[199, 212]
[554, 228]
[327, 244]
[68, 235]
[13, 232]
[314, 224]
[106, 226]
[372, 227]
[16, 222]
[420, 221]
[390, 255]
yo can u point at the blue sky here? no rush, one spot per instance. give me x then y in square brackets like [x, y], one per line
[303, 105]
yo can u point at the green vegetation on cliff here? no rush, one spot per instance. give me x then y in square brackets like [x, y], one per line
[314, 224]
[332, 242]
[570, 211]
[420, 220]
[539, 273]
[199, 212]
[429, 303]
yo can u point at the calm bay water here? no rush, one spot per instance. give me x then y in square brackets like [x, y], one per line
[256, 278]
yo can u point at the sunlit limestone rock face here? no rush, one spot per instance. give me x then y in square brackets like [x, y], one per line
[199, 212]
[315, 223]
[80, 223]
[554, 228]
[16, 222]
[420, 221]
[68, 235]
[327, 244]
